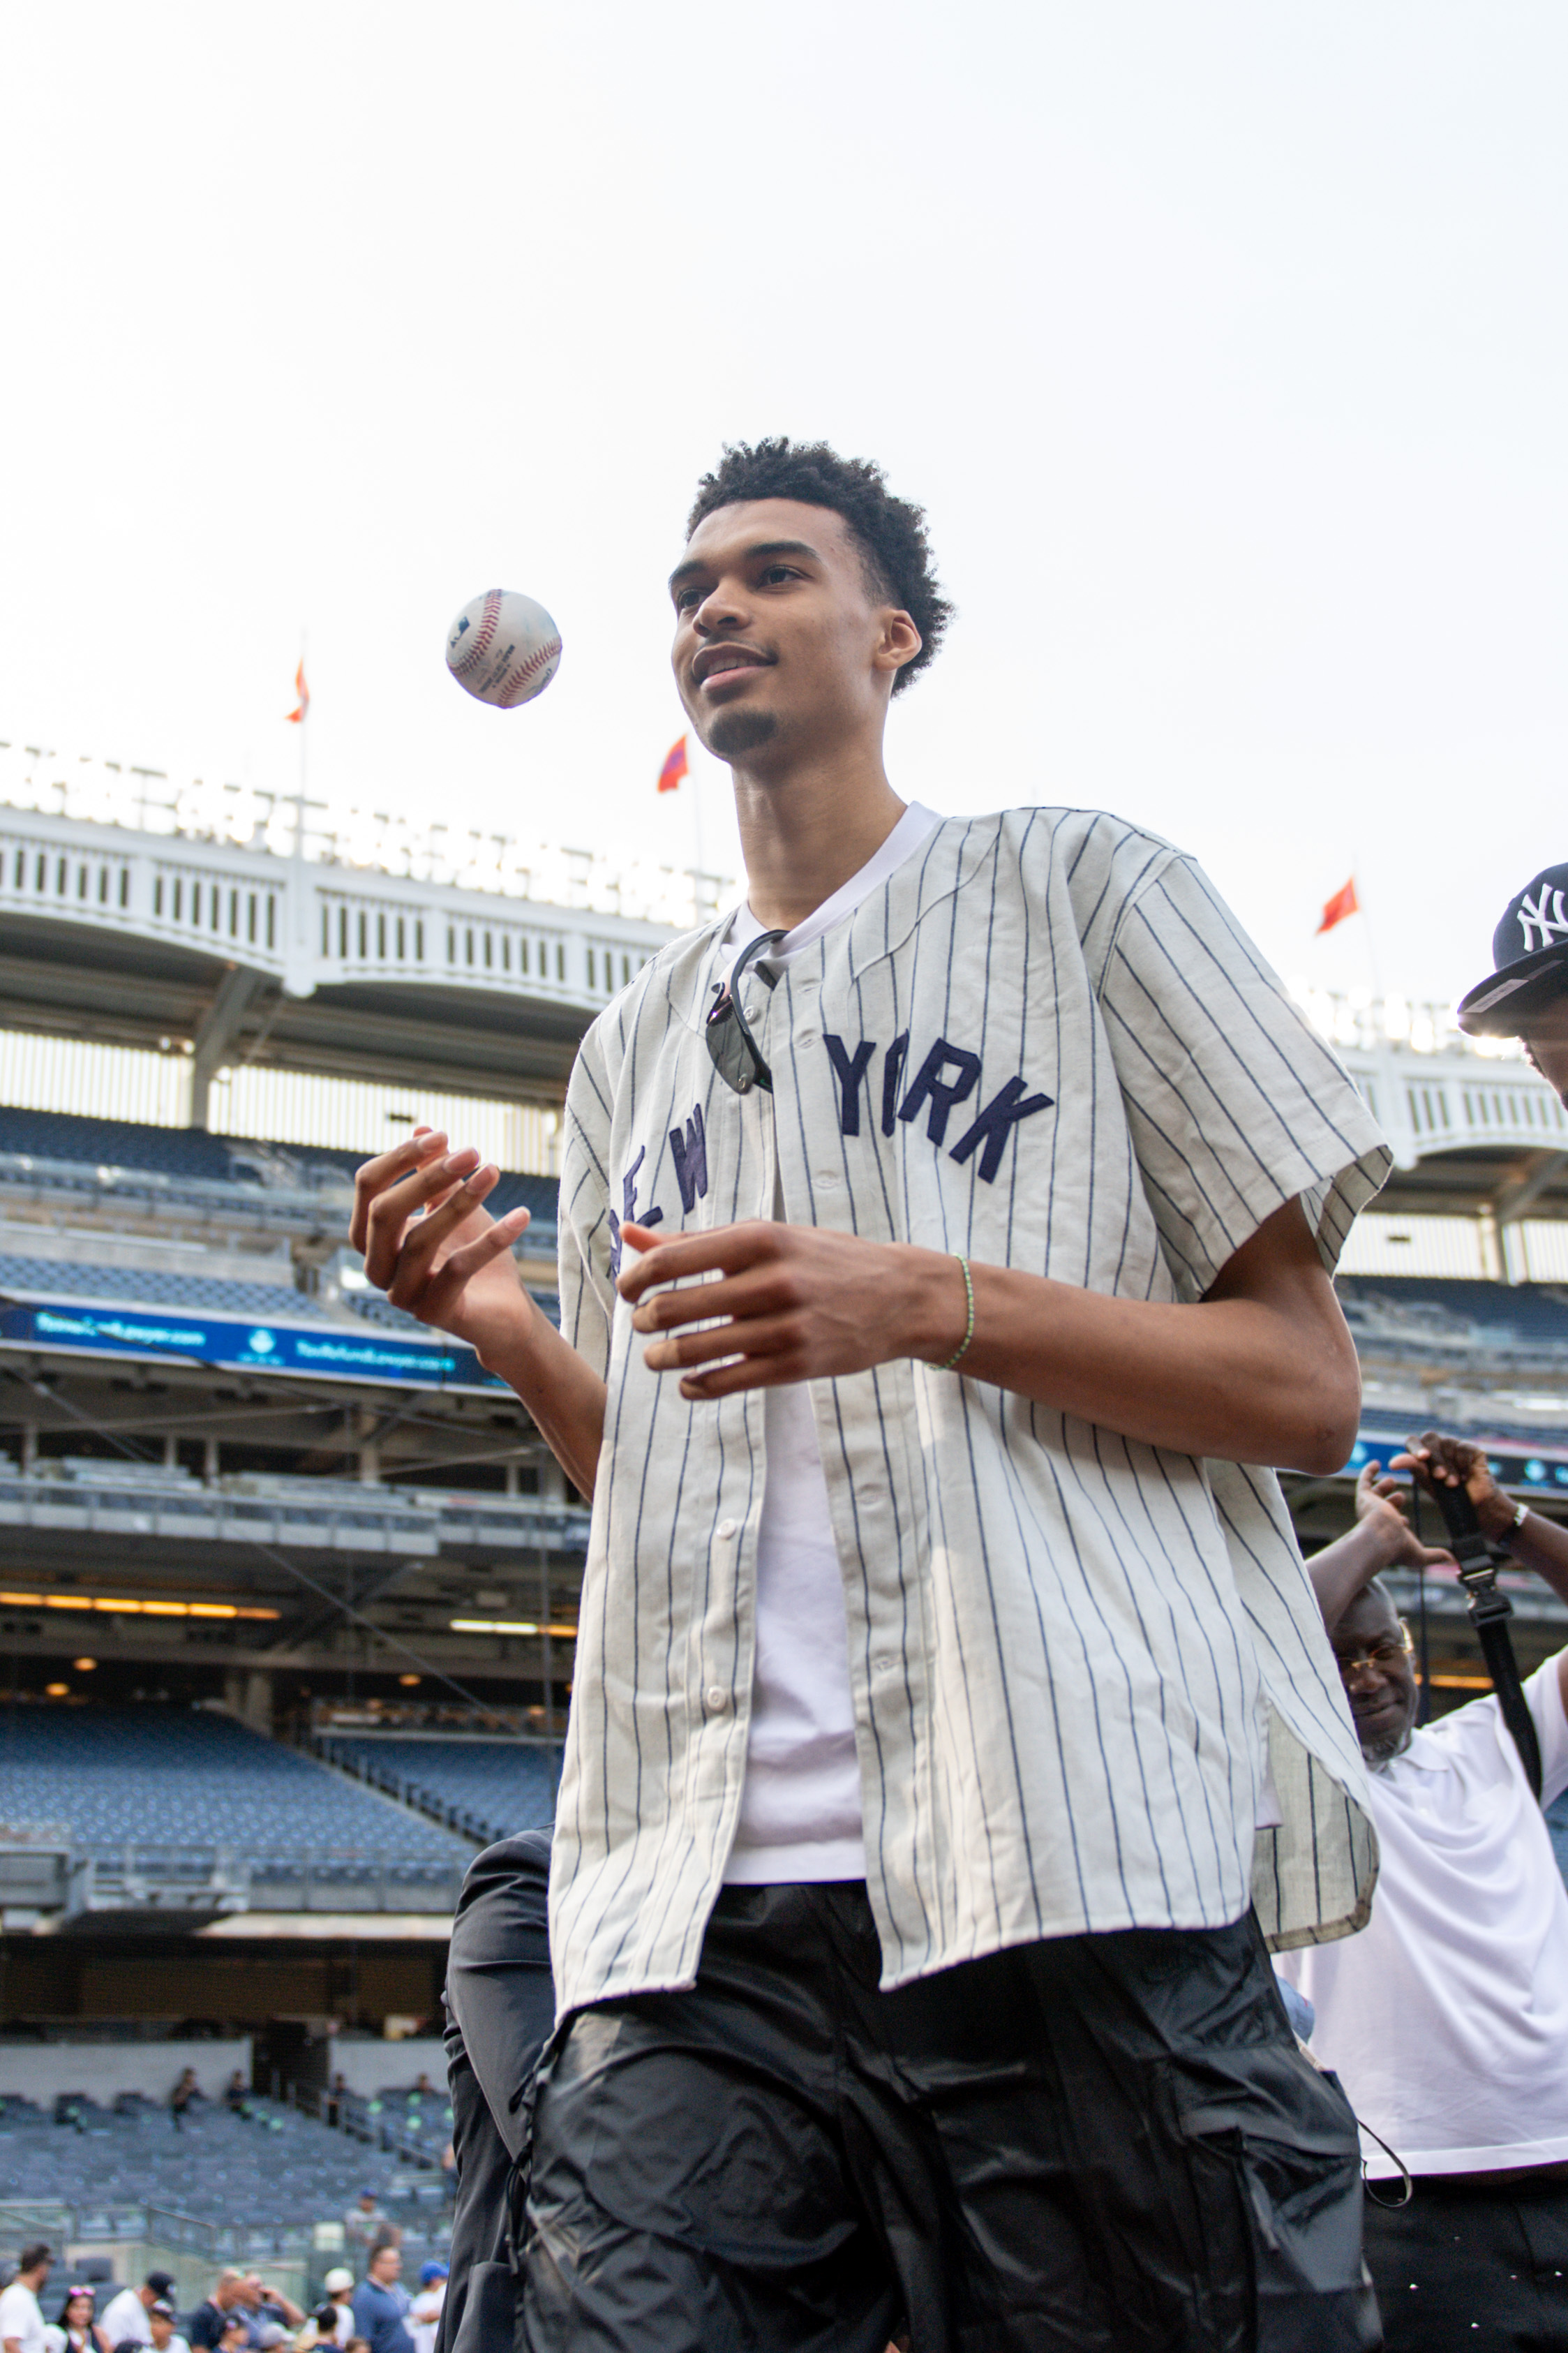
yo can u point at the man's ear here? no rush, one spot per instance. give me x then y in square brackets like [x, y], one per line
[898, 642]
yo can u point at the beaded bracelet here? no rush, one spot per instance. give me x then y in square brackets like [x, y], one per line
[963, 1346]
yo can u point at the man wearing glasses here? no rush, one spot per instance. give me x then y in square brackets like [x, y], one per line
[1447, 2017]
[945, 1240]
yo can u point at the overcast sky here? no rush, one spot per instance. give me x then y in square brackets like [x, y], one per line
[1225, 344]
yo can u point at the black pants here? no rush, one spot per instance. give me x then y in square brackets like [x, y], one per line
[501, 2005]
[1472, 2266]
[1107, 2143]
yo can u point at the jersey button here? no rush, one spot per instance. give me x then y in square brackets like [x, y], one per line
[718, 1699]
[727, 1531]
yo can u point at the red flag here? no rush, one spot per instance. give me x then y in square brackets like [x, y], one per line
[675, 766]
[296, 717]
[1343, 903]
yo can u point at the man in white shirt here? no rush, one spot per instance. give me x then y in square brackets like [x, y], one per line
[21, 2321]
[124, 2320]
[1447, 2017]
[944, 1243]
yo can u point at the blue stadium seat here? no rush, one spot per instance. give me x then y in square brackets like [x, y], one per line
[193, 1155]
[163, 1776]
[276, 2168]
[201, 1294]
[490, 1789]
[117, 1143]
[1529, 1313]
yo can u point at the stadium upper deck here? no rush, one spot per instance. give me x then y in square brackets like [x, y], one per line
[133, 913]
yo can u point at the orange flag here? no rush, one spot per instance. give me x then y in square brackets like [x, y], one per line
[676, 766]
[296, 716]
[1343, 903]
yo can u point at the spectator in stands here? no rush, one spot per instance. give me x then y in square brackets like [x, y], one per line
[338, 2285]
[21, 2322]
[74, 2331]
[210, 2320]
[180, 2098]
[124, 2321]
[320, 2329]
[364, 2220]
[425, 2312]
[236, 2094]
[267, 2312]
[163, 2329]
[424, 2088]
[1447, 2017]
[381, 2303]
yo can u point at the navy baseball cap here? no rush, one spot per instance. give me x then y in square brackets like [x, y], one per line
[1530, 950]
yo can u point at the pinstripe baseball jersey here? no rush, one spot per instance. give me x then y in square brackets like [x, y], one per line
[1075, 1661]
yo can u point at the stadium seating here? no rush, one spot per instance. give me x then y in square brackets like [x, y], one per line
[160, 1776]
[1427, 1308]
[187, 1152]
[274, 2167]
[75, 1151]
[487, 1789]
[200, 1295]
[538, 1195]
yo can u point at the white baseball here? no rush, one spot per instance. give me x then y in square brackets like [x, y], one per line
[504, 648]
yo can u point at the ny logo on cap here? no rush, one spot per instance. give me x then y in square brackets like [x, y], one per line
[1548, 916]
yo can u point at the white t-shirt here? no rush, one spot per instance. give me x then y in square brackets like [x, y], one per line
[424, 2315]
[20, 2317]
[1447, 2017]
[124, 2320]
[800, 1803]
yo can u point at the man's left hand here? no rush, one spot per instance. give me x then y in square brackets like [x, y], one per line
[796, 1303]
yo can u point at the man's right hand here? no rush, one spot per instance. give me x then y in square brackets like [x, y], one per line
[431, 1246]
[1438, 1462]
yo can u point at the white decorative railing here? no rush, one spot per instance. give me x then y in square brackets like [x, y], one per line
[1431, 1088]
[105, 793]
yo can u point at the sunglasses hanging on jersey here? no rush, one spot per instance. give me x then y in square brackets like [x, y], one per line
[733, 1052]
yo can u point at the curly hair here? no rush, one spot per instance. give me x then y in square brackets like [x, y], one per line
[890, 533]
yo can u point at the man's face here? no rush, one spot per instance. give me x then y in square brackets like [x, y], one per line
[1546, 1043]
[1379, 1680]
[386, 2265]
[159, 2330]
[780, 638]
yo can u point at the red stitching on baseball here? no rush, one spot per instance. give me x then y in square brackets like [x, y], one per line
[536, 662]
[484, 635]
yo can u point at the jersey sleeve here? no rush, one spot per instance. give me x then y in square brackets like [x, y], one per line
[1235, 1104]
[585, 1233]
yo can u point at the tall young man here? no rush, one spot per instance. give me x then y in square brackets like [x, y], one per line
[945, 1238]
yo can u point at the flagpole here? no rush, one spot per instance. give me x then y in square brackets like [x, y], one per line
[304, 731]
[1365, 913]
[697, 843]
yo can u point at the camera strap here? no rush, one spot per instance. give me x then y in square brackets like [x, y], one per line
[1489, 1613]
